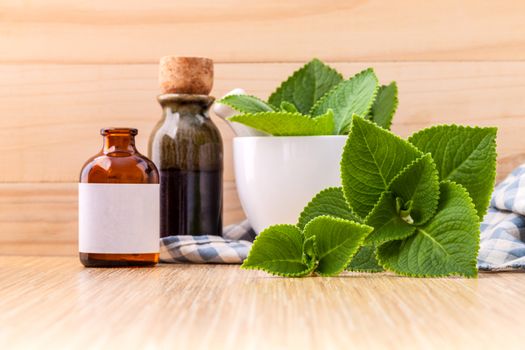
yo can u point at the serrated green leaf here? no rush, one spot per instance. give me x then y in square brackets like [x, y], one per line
[288, 124]
[306, 86]
[279, 250]
[353, 96]
[365, 260]
[336, 242]
[465, 155]
[372, 157]
[246, 103]
[447, 245]
[385, 105]
[418, 183]
[386, 221]
[329, 201]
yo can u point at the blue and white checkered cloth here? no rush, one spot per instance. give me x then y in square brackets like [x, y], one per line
[502, 245]
[231, 248]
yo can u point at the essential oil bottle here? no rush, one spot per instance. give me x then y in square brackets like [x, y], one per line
[119, 204]
[186, 147]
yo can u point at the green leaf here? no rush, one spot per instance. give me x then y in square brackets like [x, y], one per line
[279, 250]
[353, 96]
[245, 103]
[288, 124]
[310, 251]
[386, 221]
[385, 105]
[418, 183]
[465, 155]
[337, 241]
[288, 107]
[447, 245]
[372, 157]
[329, 201]
[365, 260]
[306, 86]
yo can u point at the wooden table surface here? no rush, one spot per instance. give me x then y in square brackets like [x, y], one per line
[50, 302]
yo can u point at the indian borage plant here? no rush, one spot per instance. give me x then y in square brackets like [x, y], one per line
[409, 206]
[316, 100]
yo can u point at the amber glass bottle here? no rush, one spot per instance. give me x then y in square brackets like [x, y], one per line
[187, 148]
[118, 204]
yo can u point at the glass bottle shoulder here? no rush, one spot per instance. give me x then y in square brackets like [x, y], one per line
[119, 168]
[194, 128]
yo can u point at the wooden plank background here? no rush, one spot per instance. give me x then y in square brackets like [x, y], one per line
[69, 68]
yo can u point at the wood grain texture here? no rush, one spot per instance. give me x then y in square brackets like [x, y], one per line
[56, 303]
[42, 218]
[51, 114]
[122, 31]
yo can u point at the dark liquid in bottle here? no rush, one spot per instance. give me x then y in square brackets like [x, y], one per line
[190, 202]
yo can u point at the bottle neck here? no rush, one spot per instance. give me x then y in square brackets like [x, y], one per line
[119, 141]
[185, 105]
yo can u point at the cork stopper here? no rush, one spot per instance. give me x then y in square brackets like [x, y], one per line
[185, 75]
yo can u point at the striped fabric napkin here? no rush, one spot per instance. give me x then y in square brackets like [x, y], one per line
[231, 248]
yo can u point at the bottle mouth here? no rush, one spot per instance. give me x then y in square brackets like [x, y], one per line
[118, 131]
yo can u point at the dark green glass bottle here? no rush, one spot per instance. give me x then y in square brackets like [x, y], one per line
[186, 147]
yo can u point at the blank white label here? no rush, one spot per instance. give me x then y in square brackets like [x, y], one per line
[118, 218]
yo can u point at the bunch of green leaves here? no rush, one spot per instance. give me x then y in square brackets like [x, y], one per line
[412, 207]
[316, 100]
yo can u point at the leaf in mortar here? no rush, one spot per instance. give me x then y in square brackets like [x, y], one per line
[329, 201]
[447, 245]
[386, 221]
[353, 96]
[465, 155]
[372, 157]
[287, 124]
[306, 86]
[385, 105]
[337, 241]
[418, 183]
[246, 103]
[279, 250]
